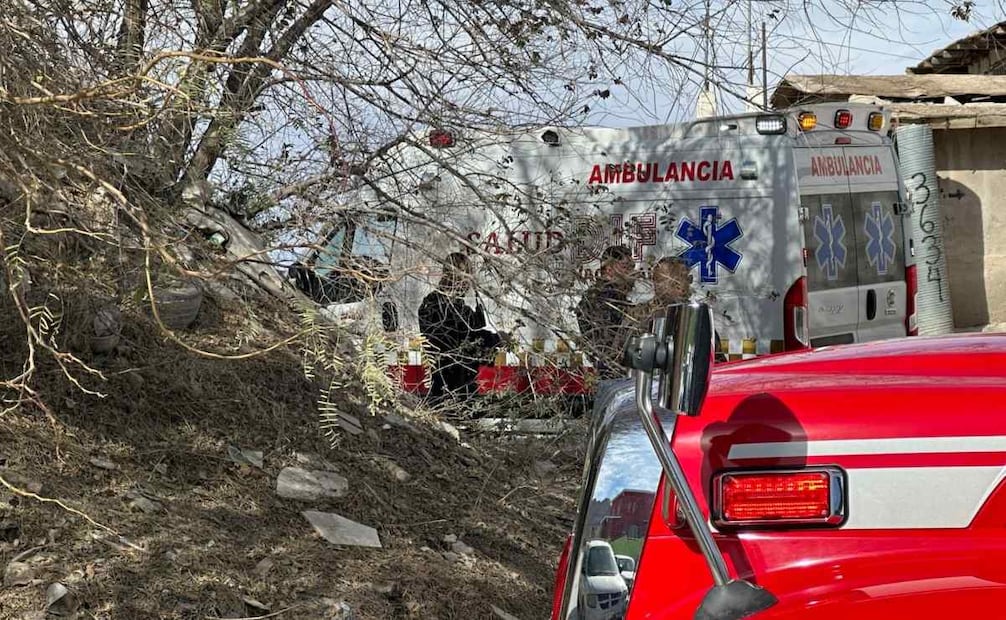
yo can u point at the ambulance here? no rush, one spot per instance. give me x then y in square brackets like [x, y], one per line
[792, 223]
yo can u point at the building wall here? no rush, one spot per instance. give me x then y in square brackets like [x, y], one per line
[971, 165]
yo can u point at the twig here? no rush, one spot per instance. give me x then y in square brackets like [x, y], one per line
[377, 497]
[48, 500]
[26, 553]
[272, 615]
[511, 492]
[415, 524]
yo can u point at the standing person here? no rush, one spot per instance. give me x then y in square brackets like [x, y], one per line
[602, 313]
[455, 330]
[671, 279]
[672, 282]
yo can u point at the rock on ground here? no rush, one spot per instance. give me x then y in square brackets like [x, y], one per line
[310, 485]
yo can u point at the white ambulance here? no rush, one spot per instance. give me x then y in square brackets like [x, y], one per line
[792, 223]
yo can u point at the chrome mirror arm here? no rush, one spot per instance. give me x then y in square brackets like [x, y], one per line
[686, 360]
[675, 476]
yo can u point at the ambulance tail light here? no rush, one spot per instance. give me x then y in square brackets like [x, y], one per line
[875, 121]
[843, 119]
[796, 327]
[441, 139]
[911, 312]
[813, 496]
[770, 125]
[807, 120]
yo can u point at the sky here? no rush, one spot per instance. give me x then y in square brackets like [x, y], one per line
[803, 43]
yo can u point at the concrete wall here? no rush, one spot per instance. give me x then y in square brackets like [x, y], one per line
[971, 165]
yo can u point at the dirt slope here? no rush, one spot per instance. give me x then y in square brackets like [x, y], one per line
[219, 539]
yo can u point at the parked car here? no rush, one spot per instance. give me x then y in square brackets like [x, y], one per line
[627, 569]
[602, 591]
[861, 481]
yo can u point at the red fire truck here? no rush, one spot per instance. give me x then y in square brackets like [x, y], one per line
[862, 481]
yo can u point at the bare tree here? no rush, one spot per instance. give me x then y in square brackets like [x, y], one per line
[147, 138]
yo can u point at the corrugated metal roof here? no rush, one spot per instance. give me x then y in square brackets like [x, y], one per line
[959, 55]
[940, 116]
[797, 89]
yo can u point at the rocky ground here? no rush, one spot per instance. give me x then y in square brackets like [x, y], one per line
[204, 488]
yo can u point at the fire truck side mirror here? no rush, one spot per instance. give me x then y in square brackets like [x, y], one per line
[679, 352]
[691, 336]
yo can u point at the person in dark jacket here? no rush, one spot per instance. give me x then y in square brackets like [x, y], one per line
[603, 312]
[455, 331]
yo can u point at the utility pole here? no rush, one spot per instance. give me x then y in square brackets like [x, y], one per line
[751, 104]
[764, 68]
[707, 99]
[751, 69]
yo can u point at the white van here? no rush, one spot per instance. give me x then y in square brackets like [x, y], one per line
[792, 223]
[603, 592]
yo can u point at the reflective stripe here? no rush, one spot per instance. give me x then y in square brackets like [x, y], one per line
[860, 447]
[749, 348]
[538, 352]
[918, 497]
[901, 497]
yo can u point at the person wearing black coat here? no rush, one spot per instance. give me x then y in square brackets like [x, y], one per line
[455, 331]
[603, 312]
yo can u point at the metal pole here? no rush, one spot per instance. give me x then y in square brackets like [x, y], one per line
[764, 67]
[676, 478]
[751, 69]
[705, 84]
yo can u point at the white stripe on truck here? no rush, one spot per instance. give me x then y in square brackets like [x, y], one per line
[859, 447]
[918, 497]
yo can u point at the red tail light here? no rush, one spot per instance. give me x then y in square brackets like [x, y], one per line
[814, 496]
[441, 139]
[796, 326]
[911, 312]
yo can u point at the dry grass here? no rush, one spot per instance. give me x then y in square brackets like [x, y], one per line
[166, 422]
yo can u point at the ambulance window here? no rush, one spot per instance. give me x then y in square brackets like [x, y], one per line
[332, 251]
[373, 237]
[880, 234]
[830, 235]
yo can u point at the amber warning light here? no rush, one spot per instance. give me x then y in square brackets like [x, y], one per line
[779, 497]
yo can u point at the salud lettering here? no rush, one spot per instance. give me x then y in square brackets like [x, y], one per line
[840, 166]
[653, 172]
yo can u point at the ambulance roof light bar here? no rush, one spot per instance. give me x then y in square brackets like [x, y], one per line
[770, 124]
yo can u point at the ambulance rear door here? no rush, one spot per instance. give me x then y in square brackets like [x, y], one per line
[880, 235]
[830, 237]
[854, 235]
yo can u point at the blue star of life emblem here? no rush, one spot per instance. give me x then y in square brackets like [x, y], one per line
[710, 243]
[880, 247]
[829, 230]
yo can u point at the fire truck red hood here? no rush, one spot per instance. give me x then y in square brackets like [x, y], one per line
[885, 363]
[917, 428]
